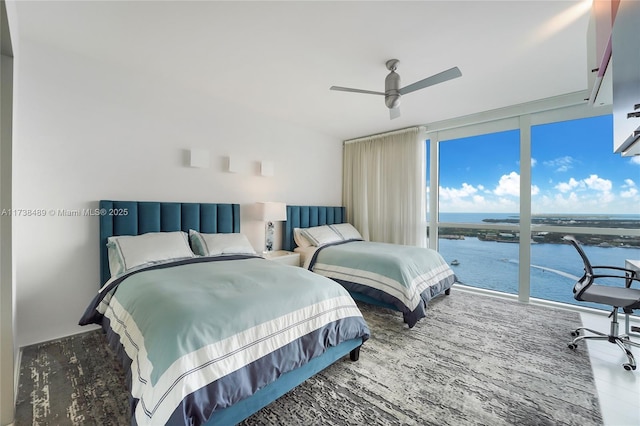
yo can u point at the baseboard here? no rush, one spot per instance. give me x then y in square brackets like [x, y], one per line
[538, 302]
[83, 330]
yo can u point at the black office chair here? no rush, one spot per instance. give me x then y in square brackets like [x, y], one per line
[627, 298]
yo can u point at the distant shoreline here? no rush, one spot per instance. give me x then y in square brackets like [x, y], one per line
[573, 221]
[623, 241]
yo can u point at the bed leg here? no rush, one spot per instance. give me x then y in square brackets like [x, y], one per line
[447, 291]
[355, 354]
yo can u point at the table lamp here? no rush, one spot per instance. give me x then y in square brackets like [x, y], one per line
[271, 212]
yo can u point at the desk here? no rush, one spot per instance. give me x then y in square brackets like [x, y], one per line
[634, 265]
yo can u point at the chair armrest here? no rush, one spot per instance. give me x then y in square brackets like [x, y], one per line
[628, 279]
[629, 271]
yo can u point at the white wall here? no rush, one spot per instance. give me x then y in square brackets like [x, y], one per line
[8, 348]
[85, 131]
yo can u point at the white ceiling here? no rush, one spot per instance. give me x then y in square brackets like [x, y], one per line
[280, 58]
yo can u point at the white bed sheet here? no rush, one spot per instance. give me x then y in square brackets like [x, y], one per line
[306, 253]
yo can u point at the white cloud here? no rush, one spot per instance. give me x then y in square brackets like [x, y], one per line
[598, 184]
[593, 182]
[535, 190]
[631, 189]
[590, 194]
[567, 203]
[582, 200]
[475, 203]
[567, 186]
[456, 193]
[605, 197]
[508, 185]
[635, 159]
[533, 162]
[561, 164]
[469, 198]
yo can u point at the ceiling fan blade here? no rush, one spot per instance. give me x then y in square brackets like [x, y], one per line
[430, 81]
[394, 112]
[348, 89]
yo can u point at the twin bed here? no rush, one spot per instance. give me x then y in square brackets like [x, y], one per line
[210, 339]
[402, 278]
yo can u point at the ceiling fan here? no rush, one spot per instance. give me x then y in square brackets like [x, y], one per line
[393, 92]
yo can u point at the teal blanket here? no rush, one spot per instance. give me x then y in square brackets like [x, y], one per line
[196, 325]
[406, 277]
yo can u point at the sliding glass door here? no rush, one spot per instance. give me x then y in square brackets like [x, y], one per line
[479, 208]
[585, 190]
[572, 183]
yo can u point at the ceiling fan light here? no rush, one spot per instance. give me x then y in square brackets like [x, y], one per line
[392, 101]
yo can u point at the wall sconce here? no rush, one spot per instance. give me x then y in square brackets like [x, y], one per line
[266, 168]
[271, 212]
[199, 158]
[235, 164]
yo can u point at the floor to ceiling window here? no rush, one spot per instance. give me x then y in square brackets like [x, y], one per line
[585, 190]
[500, 185]
[479, 189]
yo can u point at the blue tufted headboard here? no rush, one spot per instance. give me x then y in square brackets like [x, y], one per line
[308, 216]
[140, 217]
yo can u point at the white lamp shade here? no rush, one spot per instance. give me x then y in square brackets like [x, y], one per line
[273, 212]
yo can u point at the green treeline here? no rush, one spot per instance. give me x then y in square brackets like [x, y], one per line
[506, 236]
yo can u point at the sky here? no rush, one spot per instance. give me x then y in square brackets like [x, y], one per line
[574, 170]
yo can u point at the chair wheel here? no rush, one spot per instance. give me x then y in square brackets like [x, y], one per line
[629, 367]
[572, 346]
[575, 333]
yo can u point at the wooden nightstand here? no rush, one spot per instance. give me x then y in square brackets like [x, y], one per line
[283, 256]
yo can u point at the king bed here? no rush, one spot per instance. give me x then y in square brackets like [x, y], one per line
[212, 337]
[399, 277]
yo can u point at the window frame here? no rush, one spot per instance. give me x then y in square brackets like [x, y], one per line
[522, 117]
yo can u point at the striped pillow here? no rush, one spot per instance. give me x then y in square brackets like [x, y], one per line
[320, 235]
[128, 251]
[346, 231]
[300, 240]
[216, 244]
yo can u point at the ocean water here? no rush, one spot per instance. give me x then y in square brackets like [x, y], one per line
[554, 267]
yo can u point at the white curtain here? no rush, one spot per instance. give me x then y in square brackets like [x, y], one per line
[383, 189]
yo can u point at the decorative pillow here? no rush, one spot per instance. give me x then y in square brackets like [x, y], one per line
[128, 251]
[346, 231]
[320, 235]
[300, 240]
[215, 244]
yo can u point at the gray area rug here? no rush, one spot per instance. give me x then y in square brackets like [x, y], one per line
[475, 360]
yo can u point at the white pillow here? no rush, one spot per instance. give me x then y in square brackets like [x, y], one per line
[320, 235]
[128, 251]
[300, 240]
[216, 244]
[346, 231]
